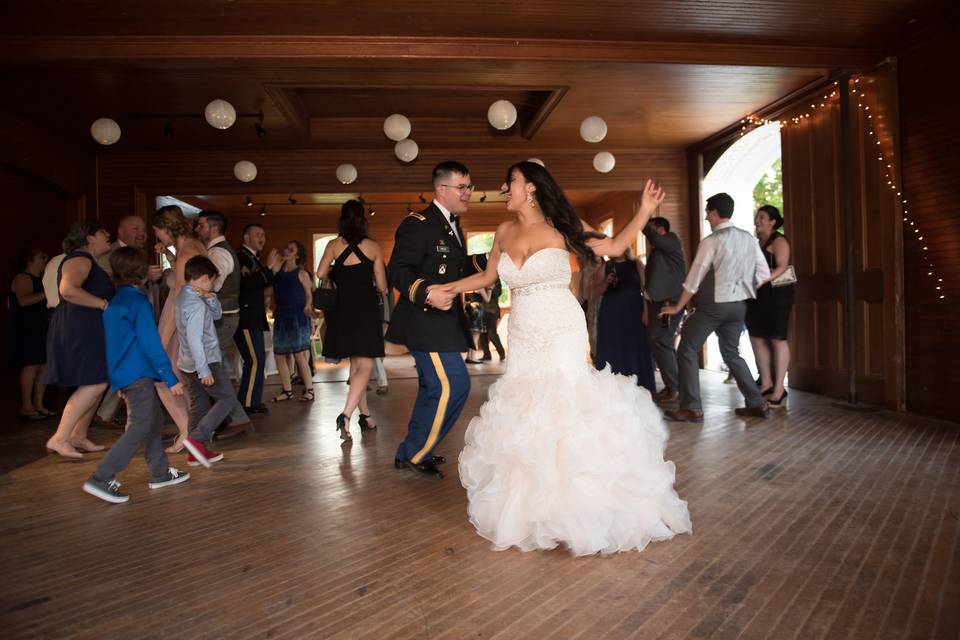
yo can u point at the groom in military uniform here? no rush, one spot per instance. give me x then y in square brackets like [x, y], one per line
[430, 250]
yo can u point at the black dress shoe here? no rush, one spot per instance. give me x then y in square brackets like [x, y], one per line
[259, 409]
[426, 468]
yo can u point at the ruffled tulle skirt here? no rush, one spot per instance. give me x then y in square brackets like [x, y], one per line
[571, 457]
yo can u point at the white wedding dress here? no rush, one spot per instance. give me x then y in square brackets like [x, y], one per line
[562, 453]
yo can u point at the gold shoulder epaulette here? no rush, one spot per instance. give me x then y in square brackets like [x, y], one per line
[418, 216]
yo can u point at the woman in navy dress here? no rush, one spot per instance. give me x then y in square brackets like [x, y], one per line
[354, 263]
[621, 335]
[293, 311]
[76, 352]
[27, 326]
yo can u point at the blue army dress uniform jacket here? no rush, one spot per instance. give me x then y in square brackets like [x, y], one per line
[427, 252]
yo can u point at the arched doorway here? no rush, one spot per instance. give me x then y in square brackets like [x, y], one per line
[737, 172]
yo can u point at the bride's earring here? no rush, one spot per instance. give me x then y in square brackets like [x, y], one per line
[531, 201]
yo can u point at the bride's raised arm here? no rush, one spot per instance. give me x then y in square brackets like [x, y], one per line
[643, 209]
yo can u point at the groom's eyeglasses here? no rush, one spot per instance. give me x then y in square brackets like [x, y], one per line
[461, 187]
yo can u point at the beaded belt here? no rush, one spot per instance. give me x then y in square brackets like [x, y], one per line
[533, 288]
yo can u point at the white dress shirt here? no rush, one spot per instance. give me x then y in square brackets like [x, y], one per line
[446, 214]
[737, 262]
[221, 259]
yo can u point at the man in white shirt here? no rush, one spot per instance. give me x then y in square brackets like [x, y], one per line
[211, 226]
[728, 268]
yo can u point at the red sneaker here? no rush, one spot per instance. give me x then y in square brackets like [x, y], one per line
[199, 454]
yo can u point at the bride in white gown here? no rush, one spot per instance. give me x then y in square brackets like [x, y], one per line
[562, 453]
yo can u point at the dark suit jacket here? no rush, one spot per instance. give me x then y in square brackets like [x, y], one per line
[666, 267]
[427, 252]
[254, 278]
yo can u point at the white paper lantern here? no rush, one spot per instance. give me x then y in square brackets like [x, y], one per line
[593, 129]
[105, 131]
[406, 150]
[220, 114]
[537, 161]
[346, 173]
[245, 171]
[604, 162]
[502, 114]
[397, 127]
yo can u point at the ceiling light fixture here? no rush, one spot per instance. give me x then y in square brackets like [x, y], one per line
[422, 199]
[249, 201]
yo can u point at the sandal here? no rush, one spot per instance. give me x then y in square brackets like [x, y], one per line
[177, 445]
[307, 395]
[366, 424]
[284, 396]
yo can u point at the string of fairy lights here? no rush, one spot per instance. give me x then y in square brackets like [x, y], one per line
[859, 93]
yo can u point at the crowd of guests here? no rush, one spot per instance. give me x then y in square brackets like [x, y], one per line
[735, 280]
[86, 322]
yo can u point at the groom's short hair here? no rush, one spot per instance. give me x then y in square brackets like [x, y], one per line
[445, 169]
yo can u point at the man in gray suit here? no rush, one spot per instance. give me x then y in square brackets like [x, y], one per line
[728, 268]
[664, 276]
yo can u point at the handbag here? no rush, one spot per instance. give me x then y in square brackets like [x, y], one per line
[325, 297]
[788, 277]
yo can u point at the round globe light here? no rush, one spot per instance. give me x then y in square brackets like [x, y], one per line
[220, 114]
[346, 173]
[593, 129]
[245, 171]
[536, 160]
[105, 131]
[604, 162]
[406, 150]
[502, 114]
[397, 127]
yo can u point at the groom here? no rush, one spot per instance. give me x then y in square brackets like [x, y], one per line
[430, 250]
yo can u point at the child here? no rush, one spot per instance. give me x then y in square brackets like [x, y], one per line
[135, 359]
[200, 360]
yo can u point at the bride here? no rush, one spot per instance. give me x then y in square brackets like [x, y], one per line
[562, 453]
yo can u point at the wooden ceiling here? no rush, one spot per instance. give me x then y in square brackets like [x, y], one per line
[662, 73]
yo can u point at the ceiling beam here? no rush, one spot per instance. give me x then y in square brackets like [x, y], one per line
[133, 49]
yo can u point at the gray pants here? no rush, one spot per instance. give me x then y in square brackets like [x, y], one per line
[726, 320]
[661, 343]
[203, 419]
[226, 328]
[144, 424]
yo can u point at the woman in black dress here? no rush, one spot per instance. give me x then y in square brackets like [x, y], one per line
[354, 263]
[27, 325]
[621, 334]
[76, 355]
[768, 317]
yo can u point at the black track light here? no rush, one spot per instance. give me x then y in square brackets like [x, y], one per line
[483, 197]
[248, 201]
[371, 211]
[422, 199]
[261, 132]
[263, 211]
[291, 200]
[168, 129]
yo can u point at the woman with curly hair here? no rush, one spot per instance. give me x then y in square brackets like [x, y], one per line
[292, 315]
[174, 240]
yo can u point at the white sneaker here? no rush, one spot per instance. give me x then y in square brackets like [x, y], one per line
[173, 477]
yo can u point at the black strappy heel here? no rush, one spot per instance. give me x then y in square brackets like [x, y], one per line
[343, 426]
[365, 423]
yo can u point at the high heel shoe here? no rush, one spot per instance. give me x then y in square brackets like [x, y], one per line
[779, 402]
[343, 426]
[177, 445]
[286, 394]
[366, 424]
[64, 450]
[86, 446]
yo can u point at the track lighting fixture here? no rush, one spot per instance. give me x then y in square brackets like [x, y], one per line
[422, 199]
[248, 201]
[258, 127]
[168, 129]
[263, 211]
[371, 211]
[483, 197]
[291, 200]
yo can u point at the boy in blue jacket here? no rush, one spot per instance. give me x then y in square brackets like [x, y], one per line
[135, 360]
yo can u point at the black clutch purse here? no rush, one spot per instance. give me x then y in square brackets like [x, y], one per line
[325, 297]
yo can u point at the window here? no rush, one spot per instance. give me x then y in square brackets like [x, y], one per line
[320, 242]
[482, 242]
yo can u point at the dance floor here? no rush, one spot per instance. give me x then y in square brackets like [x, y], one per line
[818, 523]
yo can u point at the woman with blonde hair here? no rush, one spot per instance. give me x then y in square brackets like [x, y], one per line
[173, 230]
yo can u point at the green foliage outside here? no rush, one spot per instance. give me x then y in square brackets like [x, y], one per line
[769, 189]
[482, 243]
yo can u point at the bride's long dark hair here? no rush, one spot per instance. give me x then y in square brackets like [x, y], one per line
[557, 210]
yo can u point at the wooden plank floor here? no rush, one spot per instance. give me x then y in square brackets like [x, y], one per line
[821, 523]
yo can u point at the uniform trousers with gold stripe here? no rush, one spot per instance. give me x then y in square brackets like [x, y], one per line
[444, 387]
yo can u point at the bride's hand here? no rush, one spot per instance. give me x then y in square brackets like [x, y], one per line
[653, 194]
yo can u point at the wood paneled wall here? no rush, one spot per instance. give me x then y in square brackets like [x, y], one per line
[930, 136]
[813, 173]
